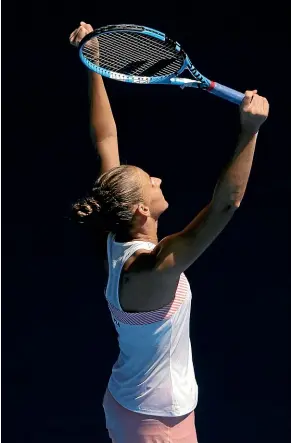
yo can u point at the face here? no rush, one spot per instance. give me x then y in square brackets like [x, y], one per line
[152, 194]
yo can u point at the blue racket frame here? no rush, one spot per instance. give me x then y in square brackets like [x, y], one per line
[200, 81]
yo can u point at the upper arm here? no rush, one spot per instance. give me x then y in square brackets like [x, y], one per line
[177, 252]
[108, 153]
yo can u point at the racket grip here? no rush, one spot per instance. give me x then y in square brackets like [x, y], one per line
[226, 93]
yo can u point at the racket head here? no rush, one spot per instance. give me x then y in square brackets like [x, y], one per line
[133, 54]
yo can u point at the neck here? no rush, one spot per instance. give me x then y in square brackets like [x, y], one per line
[148, 233]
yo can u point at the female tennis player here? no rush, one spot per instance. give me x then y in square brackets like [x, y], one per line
[152, 392]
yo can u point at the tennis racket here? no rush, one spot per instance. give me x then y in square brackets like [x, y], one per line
[141, 55]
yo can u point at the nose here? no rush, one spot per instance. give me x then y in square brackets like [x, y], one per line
[157, 181]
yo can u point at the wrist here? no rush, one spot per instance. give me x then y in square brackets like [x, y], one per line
[94, 75]
[249, 131]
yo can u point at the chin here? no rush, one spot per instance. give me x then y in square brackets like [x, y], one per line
[165, 206]
[160, 208]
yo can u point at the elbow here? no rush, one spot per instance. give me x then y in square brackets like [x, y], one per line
[233, 201]
[226, 206]
[233, 205]
[227, 200]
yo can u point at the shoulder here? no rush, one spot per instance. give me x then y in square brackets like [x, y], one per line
[141, 261]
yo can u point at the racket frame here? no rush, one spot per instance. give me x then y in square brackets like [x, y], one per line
[199, 80]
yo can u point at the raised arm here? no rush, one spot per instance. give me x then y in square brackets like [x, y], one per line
[103, 127]
[176, 253]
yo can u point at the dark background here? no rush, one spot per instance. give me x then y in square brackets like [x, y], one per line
[58, 343]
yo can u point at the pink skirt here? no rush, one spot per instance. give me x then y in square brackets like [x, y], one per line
[125, 426]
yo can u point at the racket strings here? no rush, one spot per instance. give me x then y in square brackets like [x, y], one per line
[131, 67]
[134, 54]
[145, 57]
[91, 49]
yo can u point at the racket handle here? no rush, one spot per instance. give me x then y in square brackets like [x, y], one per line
[227, 93]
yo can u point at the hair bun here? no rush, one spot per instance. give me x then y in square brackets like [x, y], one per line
[85, 209]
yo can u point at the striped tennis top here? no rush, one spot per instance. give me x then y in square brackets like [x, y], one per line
[154, 371]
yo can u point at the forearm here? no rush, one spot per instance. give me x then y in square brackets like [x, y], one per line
[231, 186]
[101, 117]
[102, 124]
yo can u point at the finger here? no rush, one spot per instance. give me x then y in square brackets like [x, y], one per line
[248, 99]
[79, 35]
[259, 105]
[266, 106]
[86, 26]
[74, 33]
[77, 30]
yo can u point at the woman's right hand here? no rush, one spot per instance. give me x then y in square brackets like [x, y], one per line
[92, 45]
[79, 33]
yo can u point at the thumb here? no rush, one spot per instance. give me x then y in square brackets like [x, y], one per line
[249, 97]
[86, 26]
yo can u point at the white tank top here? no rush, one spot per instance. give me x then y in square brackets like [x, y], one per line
[154, 372]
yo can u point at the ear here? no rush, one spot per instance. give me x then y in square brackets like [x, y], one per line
[143, 210]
